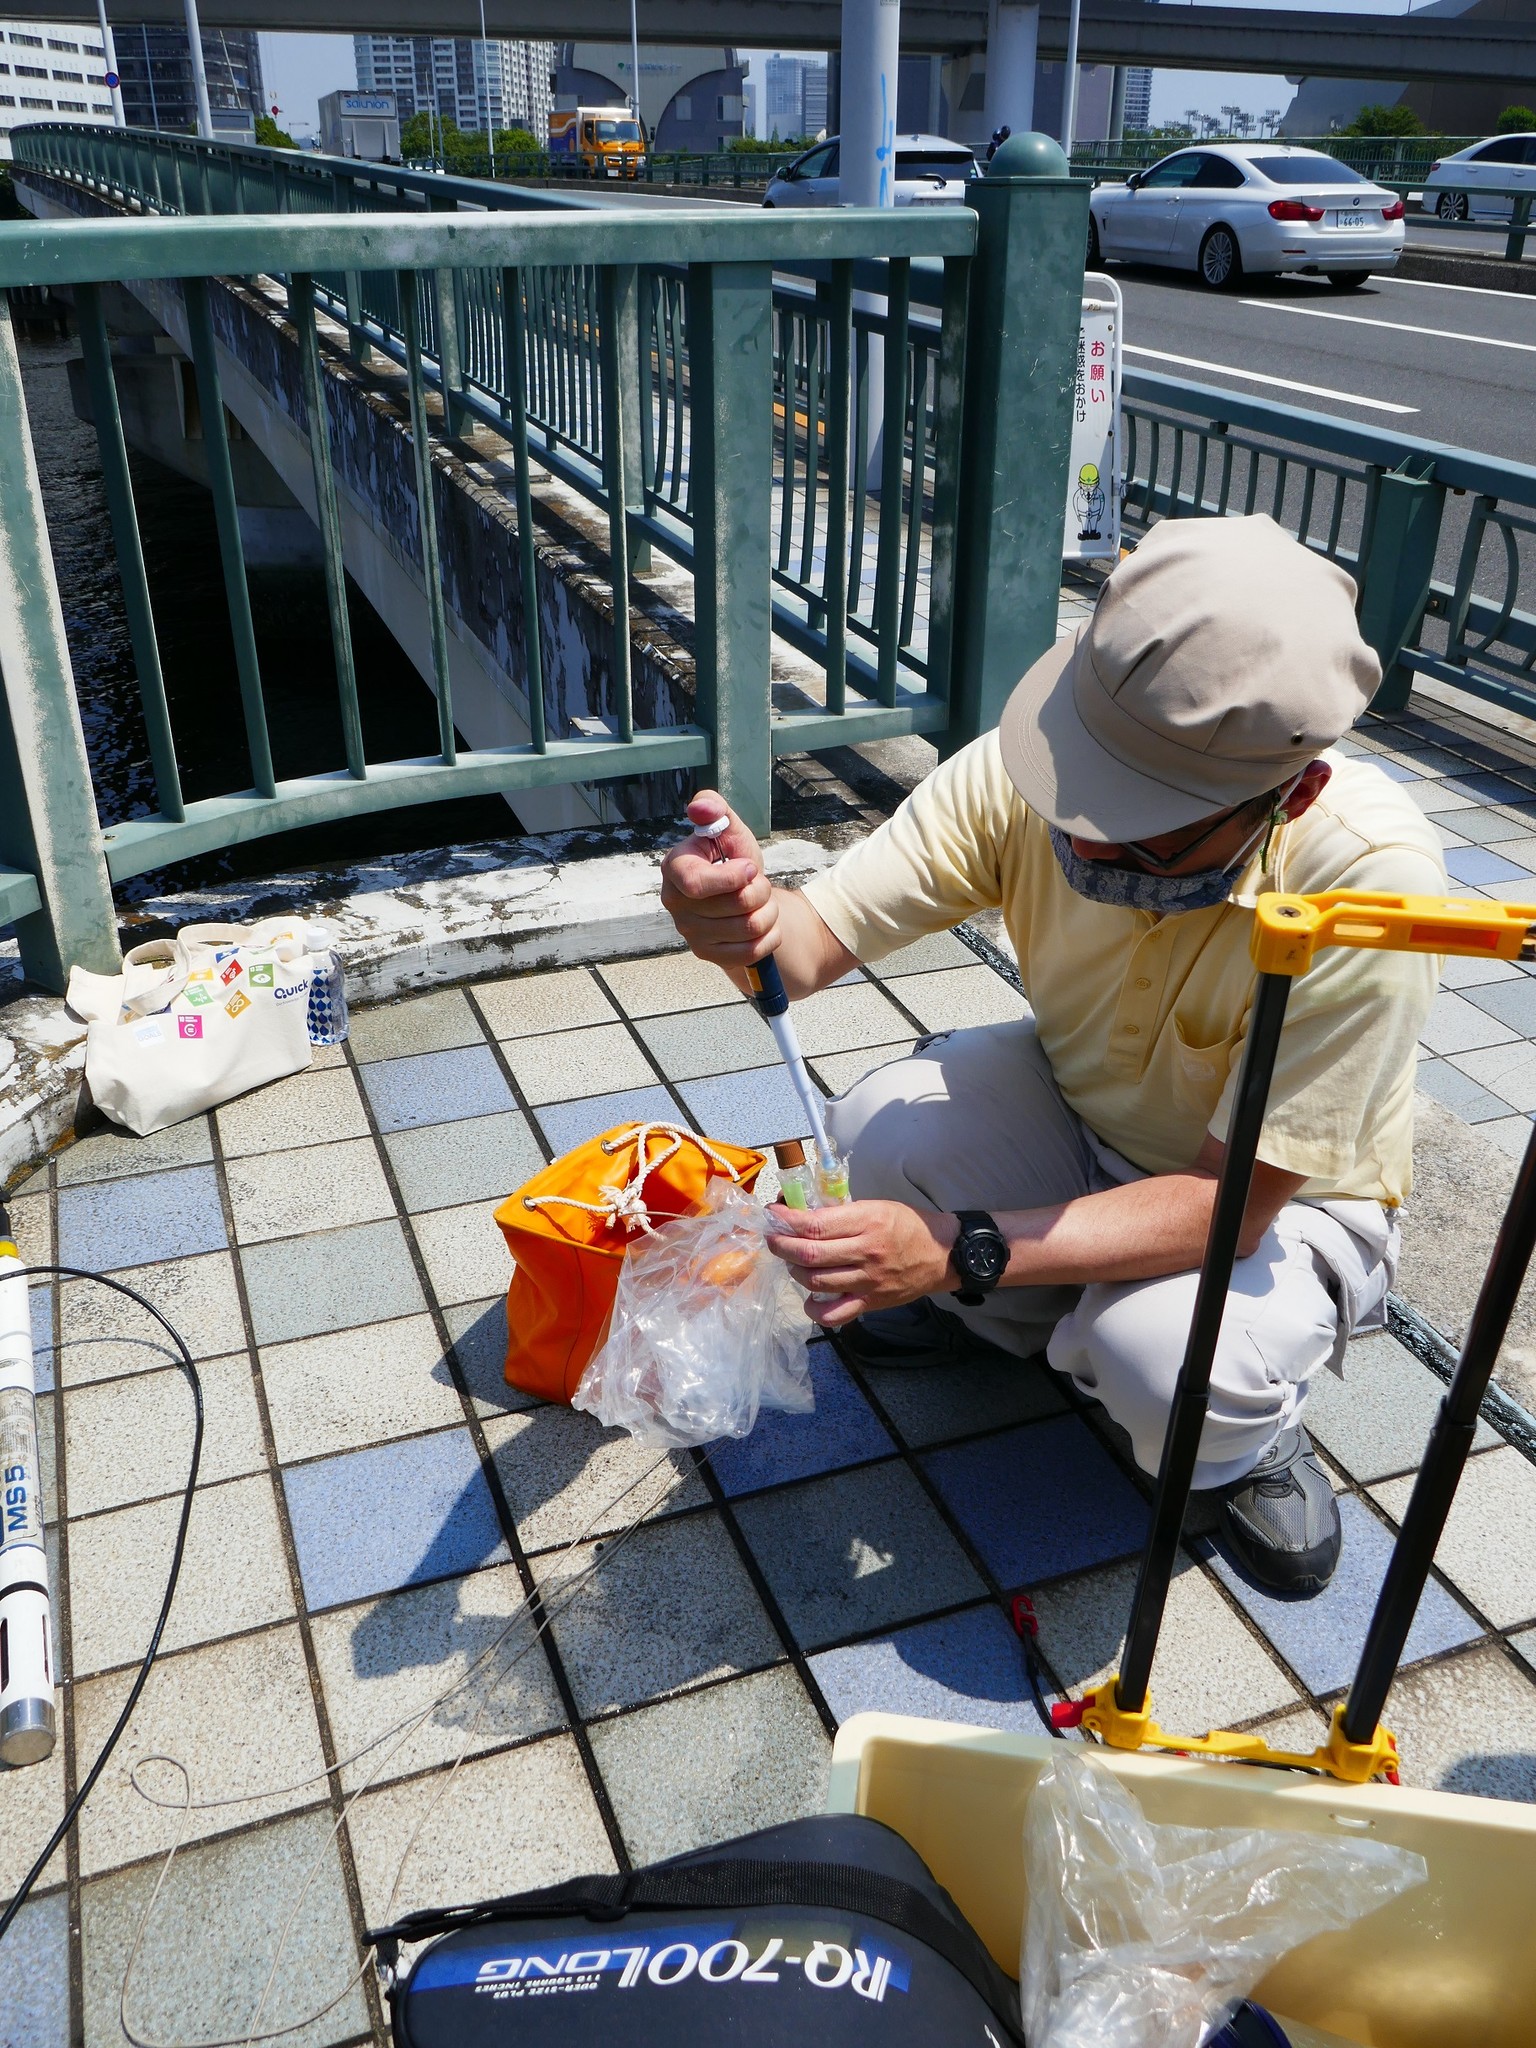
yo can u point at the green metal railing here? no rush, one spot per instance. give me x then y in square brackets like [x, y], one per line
[707, 379]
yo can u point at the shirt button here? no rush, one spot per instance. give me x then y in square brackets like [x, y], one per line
[1142, 981]
[1133, 1031]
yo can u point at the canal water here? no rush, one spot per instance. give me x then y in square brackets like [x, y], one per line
[197, 656]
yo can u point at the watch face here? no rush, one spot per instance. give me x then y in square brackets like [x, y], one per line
[983, 1255]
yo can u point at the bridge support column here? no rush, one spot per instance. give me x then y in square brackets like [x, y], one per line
[199, 72]
[1013, 34]
[1117, 105]
[871, 56]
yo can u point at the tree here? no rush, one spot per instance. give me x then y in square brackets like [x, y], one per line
[421, 135]
[1517, 120]
[270, 136]
[1380, 120]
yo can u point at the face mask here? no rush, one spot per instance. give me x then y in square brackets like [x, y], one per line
[1131, 889]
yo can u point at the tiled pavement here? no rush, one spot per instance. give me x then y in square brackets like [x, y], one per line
[375, 1503]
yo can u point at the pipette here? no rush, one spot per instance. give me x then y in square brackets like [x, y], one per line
[772, 1001]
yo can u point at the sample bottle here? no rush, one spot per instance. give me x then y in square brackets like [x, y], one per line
[832, 1181]
[327, 989]
[797, 1182]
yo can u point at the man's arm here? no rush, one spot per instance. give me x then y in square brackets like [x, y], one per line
[874, 1255]
[729, 912]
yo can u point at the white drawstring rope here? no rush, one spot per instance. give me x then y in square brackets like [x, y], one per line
[627, 1205]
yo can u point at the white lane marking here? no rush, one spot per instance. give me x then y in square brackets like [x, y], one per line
[1159, 355]
[1433, 284]
[1526, 348]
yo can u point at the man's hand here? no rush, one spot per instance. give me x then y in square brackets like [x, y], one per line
[725, 909]
[864, 1255]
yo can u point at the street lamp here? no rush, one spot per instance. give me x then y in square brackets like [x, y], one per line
[1069, 83]
[485, 72]
[634, 66]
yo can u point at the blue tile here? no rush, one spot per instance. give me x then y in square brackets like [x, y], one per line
[1396, 771]
[1041, 1500]
[1320, 1638]
[569, 1123]
[1472, 1103]
[137, 1221]
[1511, 1002]
[1475, 865]
[963, 1667]
[34, 1976]
[398, 1515]
[1488, 788]
[40, 1301]
[756, 1107]
[436, 1088]
[843, 1431]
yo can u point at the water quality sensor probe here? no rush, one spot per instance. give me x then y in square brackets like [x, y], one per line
[26, 1620]
[772, 1001]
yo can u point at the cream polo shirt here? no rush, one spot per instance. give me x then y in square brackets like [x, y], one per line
[1143, 1018]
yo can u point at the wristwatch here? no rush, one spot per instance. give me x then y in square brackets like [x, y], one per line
[979, 1255]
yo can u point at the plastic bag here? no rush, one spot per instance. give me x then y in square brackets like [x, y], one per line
[707, 1328]
[1146, 1936]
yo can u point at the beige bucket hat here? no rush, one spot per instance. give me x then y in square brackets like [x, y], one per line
[1220, 659]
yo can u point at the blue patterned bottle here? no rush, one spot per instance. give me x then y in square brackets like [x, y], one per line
[327, 990]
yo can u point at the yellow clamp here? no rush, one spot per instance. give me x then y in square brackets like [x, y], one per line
[1287, 930]
[1352, 1762]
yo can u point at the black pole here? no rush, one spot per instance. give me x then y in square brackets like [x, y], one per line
[1186, 1420]
[1445, 1456]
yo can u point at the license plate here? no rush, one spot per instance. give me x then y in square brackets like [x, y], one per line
[1351, 218]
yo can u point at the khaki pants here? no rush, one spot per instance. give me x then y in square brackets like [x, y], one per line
[974, 1120]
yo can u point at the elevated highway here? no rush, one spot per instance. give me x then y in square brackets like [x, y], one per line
[1195, 38]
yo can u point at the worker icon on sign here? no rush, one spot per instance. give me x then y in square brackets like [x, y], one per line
[1088, 503]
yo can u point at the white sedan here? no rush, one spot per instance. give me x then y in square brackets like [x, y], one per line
[930, 171]
[1457, 187]
[1233, 209]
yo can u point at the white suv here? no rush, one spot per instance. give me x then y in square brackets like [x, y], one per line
[1456, 185]
[930, 171]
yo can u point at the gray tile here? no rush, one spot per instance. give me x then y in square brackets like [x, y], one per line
[130, 1439]
[1458, 1091]
[960, 997]
[32, 1228]
[464, 1252]
[107, 1155]
[335, 1280]
[1209, 1671]
[1511, 1002]
[1512, 1134]
[106, 1336]
[1489, 827]
[385, 1662]
[669, 981]
[217, 1923]
[670, 1607]
[1506, 1070]
[838, 1071]
[936, 1406]
[1376, 1420]
[1489, 1545]
[563, 1475]
[34, 1975]
[926, 956]
[31, 1807]
[708, 1041]
[481, 1159]
[1457, 1025]
[758, 1107]
[1468, 1725]
[429, 1023]
[306, 1109]
[321, 1187]
[1433, 798]
[559, 1066]
[241, 1717]
[526, 1005]
[1525, 1644]
[841, 1019]
[479, 1333]
[353, 1387]
[234, 1575]
[857, 1551]
[713, 1764]
[501, 1824]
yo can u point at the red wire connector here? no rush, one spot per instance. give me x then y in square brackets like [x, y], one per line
[1025, 1620]
[1067, 1713]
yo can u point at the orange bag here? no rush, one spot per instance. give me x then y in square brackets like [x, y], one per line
[570, 1226]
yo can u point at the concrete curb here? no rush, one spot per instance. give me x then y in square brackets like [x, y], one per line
[1482, 273]
[407, 922]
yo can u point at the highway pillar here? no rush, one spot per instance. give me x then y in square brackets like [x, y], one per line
[871, 54]
[1022, 328]
[1013, 35]
[1117, 105]
[199, 72]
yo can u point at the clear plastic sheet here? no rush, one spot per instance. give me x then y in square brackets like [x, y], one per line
[1143, 1935]
[707, 1329]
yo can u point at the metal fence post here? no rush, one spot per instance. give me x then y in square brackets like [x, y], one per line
[48, 822]
[730, 361]
[1021, 352]
[1395, 575]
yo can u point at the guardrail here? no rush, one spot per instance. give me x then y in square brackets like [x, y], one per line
[659, 361]
[1373, 156]
[1457, 216]
[733, 169]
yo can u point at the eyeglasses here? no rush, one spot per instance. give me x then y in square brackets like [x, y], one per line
[1169, 864]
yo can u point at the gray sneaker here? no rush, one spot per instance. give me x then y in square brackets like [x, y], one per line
[1281, 1521]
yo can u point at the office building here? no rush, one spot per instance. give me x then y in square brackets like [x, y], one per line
[1138, 97]
[50, 71]
[782, 95]
[813, 98]
[690, 97]
[155, 65]
[503, 83]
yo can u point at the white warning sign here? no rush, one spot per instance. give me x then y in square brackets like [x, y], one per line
[1092, 531]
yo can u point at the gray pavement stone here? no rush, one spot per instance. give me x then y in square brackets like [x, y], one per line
[1376, 1420]
[1467, 1725]
[1489, 1545]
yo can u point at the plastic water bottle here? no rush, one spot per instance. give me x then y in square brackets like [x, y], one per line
[327, 989]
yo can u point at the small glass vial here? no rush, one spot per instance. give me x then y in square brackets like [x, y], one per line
[327, 989]
[832, 1181]
[797, 1182]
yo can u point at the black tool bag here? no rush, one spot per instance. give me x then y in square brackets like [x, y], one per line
[828, 1931]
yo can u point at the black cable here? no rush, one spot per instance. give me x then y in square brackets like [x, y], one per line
[1026, 1627]
[88, 1783]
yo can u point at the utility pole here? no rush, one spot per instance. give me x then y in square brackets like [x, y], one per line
[634, 66]
[199, 72]
[485, 71]
[109, 54]
[1069, 82]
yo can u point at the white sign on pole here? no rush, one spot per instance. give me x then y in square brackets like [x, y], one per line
[1092, 530]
